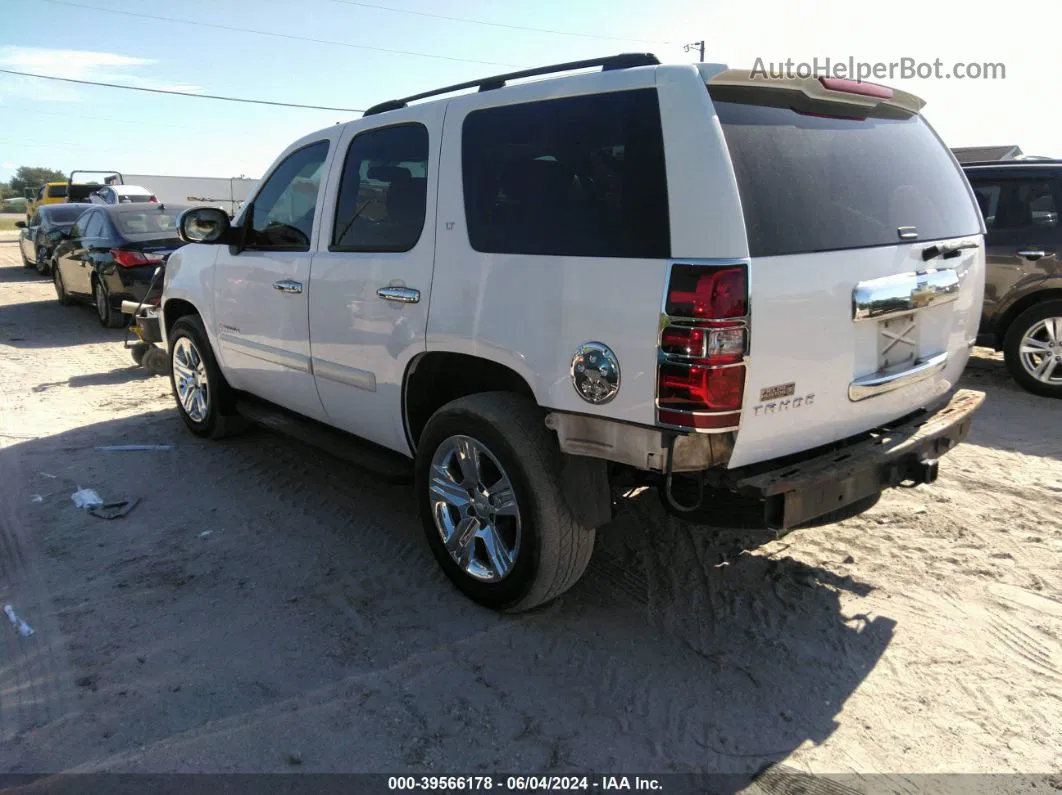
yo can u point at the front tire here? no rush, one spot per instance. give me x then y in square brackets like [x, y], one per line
[204, 398]
[492, 504]
[1032, 349]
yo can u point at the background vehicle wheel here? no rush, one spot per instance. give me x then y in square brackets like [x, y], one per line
[104, 311]
[138, 350]
[204, 398]
[1032, 349]
[490, 496]
[60, 288]
[42, 263]
[156, 360]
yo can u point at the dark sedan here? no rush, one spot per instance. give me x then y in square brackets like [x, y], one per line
[36, 242]
[111, 253]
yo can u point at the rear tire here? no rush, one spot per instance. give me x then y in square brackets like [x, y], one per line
[60, 289]
[546, 550]
[42, 263]
[194, 372]
[104, 311]
[1038, 332]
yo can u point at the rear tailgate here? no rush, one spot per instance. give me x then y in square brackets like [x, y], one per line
[866, 267]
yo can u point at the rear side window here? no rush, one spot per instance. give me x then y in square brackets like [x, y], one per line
[580, 177]
[153, 222]
[383, 192]
[94, 226]
[56, 191]
[60, 214]
[811, 183]
[1017, 205]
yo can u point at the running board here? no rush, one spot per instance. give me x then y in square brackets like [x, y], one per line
[379, 461]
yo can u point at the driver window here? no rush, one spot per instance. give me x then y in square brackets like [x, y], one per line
[284, 207]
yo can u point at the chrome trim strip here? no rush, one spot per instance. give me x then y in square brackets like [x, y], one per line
[267, 353]
[341, 374]
[879, 383]
[880, 299]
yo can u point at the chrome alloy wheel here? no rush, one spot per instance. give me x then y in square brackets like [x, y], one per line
[475, 510]
[190, 378]
[1041, 351]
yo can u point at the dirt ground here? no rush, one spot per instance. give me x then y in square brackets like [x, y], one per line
[265, 608]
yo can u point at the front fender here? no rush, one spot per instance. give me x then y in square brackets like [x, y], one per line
[189, 277]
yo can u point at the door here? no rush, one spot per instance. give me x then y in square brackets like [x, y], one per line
[70, 255]
[29, 239]
[1023, 239]
[86, 252]
[372, 277]
[261, 292]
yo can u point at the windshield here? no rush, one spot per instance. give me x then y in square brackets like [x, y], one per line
[56, 191]
[151, 222]
[813, 183]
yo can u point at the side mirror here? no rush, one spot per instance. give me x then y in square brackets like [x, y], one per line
[204, 225]
[20, 224]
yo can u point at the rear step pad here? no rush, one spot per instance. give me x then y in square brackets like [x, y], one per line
[376, 460]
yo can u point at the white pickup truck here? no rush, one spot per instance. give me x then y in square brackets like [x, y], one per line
[524, 295]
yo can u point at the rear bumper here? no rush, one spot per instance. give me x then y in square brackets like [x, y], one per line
[903, 453]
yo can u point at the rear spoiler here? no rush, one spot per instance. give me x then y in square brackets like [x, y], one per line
[814, 94]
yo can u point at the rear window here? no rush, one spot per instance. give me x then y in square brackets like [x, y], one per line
[811, 183]
[63, 215]
[56, 191]
[154, 223]
[134, 198]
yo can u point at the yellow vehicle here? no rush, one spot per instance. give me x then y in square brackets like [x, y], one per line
[48, 193]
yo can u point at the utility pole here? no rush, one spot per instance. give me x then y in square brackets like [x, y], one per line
[697, 45]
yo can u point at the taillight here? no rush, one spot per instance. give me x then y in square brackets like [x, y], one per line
[703, 343]
[856, 87]
[130, 259]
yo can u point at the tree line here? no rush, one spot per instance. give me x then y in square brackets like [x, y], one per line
[29, 177]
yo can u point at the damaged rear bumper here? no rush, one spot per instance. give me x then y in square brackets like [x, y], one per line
[903, 453]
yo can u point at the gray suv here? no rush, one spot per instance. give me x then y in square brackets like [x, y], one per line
[1022, 315]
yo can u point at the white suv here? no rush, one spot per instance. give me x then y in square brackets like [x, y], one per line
[678, 275]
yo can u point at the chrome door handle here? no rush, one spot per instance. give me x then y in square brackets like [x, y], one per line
[1034, 253]
[404, 295]
[288, 286]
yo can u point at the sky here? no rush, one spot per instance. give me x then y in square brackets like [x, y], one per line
[67, 126]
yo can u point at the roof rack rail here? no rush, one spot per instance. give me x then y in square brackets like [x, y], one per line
[622, 61]
[1031, 161]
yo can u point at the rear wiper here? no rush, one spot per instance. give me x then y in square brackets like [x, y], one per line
[947, 250]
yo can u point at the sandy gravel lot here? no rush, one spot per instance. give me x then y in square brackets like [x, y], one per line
[265, 608]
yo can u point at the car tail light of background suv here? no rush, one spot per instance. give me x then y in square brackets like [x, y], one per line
[702, 348]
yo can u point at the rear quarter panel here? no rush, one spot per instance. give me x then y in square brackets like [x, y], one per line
[531, 313]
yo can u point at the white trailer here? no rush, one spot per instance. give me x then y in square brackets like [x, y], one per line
[228, 194]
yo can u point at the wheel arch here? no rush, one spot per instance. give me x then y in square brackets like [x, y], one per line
[1023, 304]
[434, 378]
